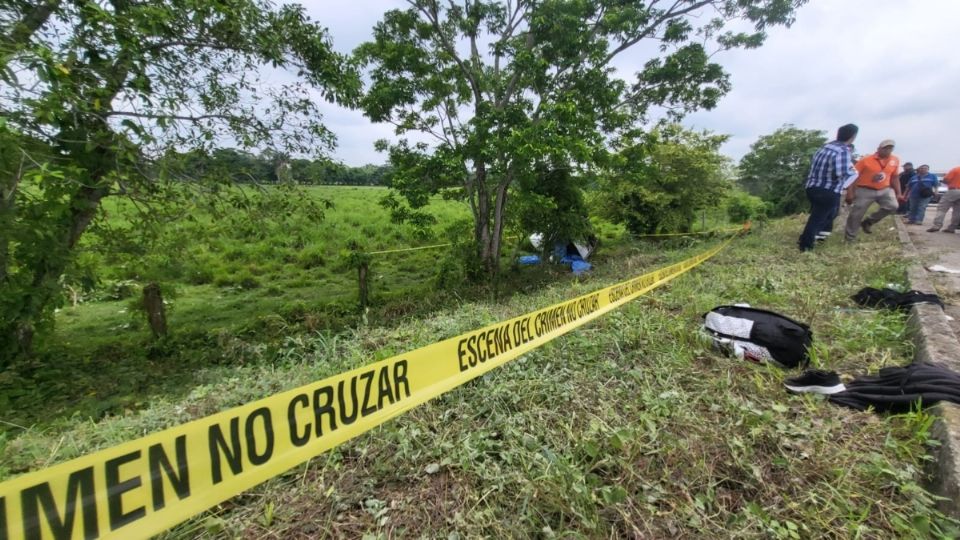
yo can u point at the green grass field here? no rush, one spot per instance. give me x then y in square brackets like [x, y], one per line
[231, 295]
[631, 426]
[235, 296]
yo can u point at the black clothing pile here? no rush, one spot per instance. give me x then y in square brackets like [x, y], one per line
[889, 298]
[899, 389]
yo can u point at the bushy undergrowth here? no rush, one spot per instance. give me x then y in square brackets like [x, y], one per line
[628, 427]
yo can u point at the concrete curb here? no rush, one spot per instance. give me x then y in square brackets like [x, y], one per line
[935, 341]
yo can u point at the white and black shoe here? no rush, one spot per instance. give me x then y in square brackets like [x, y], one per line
[815, 381]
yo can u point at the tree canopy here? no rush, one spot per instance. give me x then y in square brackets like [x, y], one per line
[775, 168]
[503, 88]
[94, 92]
[660, 184]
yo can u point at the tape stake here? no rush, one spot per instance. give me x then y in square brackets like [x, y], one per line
[142, 487]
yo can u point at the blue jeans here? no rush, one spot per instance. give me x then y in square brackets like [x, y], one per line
[918, 207]
[823, 207]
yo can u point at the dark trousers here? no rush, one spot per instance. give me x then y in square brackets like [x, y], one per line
[833, 216]
[824, 204]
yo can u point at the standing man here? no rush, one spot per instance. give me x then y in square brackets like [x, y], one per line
[904, 180]
[877, 183]
[830, 170]
[920, 190]
[950, 199]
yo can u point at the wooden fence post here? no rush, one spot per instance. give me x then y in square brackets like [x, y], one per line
[361, 261]
[156, 313]
[362, 269]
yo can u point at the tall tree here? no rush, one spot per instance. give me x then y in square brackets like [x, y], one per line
[500, 86]
[660, 183]
[776, 167]
[92, 90]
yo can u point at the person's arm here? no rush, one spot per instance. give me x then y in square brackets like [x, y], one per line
[849, 175]
[849, 184]
[896, 183]
[911, 185]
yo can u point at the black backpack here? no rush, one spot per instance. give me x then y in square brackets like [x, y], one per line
[759, 335]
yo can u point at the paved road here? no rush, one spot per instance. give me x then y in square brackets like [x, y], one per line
[940, 249]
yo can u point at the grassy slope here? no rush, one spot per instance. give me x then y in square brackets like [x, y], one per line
[102, 360]
[234, 298]
[630, 426]
[285, 265]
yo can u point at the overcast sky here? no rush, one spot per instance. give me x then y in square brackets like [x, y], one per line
[890, 66]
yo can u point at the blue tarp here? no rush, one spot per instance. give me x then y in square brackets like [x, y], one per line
[577, 264]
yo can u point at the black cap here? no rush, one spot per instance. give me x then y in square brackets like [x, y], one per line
[847, 132]
[908, 163]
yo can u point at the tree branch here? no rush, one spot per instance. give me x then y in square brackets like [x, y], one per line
[187, 118]
[434, 19]
[190, 43]
[19, 36]
[512, 85]
[667, 15]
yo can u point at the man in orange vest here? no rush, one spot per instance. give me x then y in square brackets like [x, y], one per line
[950, 199]
[877, 182]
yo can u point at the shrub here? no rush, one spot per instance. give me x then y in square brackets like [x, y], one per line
[460, 263]
[743, 206]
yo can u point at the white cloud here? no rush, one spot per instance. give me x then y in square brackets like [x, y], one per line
[890, 66]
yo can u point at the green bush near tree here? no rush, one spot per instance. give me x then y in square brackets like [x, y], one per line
[775, 169]
[743, 207]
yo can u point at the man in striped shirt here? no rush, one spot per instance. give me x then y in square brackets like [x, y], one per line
[830, 172]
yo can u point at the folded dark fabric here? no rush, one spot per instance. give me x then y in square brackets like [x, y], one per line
[898, 389]
[889, 298]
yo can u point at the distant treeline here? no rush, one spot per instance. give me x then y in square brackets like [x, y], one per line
[272, 167]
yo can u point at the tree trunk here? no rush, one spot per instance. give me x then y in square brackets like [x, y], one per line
[20, 32]
[488, 224]
[45, 285]
[16, 333]
[482, 219]
[156, 312]
[7, 199]
[362, 271]
[499, 213]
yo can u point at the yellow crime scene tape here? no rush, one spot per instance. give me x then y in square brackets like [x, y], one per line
[142, 487]
[658, 235]
[400, 250]
[433, 246]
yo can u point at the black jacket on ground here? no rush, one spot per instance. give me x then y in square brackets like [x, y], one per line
[898, 389]
[889, 298]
